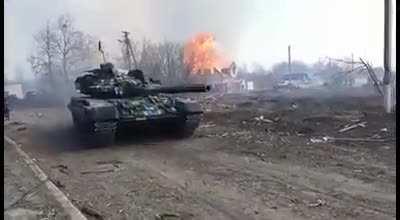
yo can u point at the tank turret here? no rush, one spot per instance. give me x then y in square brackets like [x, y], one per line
[106, 83]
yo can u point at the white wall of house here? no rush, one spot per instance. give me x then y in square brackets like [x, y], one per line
[14, 89]
[250, 85]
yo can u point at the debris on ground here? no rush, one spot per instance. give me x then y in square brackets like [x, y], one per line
[304, 130]
[224, 106]
[26, 194]
[16, 123]
[294, 106]
[376, 136]
[319, 140]
[58, 183]
[384, 130]
[51, 215]
[277, 119]
[22, 128]
[109, 162]
[224, 134]
[261, 118]
[244, 104]
[361, 139]
[62, 168]
[210, 98]
[353, 116]
[20, 213]
[259, 155]
[209, 125]
[90, 211]
[114, 163]
[98, 171]
[349, 127]
[166, 216]
[319, 202]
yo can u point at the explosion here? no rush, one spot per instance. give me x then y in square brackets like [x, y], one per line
[201, 54]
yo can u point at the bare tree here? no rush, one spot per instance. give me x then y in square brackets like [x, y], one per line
[171, 58]
[60, 48]
[296, 67]
[70, 44]
[60, 52]
[150, 59]
[258, 69]
[44, 54]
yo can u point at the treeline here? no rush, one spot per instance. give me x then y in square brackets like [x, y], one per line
[61, 52]
[162, 60]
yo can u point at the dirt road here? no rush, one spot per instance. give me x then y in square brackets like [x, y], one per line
[255, 156]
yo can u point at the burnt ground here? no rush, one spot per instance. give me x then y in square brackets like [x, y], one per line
[261, 155]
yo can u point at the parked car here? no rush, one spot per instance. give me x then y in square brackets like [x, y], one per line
[31, 95]
[296, 80]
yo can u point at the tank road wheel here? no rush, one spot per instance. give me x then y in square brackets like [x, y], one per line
[76, 123]
[88, 133]
[187, 128]
[79, 126]
[103, 133]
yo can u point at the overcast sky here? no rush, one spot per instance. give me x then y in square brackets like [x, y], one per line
[249, 31]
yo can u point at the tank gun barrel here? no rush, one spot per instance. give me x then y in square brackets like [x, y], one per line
[181, 89]
[131, 91]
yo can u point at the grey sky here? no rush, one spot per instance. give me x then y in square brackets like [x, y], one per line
[249, 31]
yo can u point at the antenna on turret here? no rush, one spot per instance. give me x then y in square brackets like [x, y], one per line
[102, 52]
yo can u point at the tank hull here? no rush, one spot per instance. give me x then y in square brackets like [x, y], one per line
[108, 116]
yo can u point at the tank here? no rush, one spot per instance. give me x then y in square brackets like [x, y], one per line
[111, 102]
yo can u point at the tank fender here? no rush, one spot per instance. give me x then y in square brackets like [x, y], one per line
[93, 110]
[188, 107]
[103, 113]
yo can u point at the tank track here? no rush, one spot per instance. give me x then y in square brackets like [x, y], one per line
[188, 127]
[97, 133]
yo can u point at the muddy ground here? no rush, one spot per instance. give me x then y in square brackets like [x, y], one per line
[24, 194]
[259, 155]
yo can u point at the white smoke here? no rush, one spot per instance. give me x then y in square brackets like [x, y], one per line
[249, 31]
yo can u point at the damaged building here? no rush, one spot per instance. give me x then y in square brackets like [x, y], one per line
[224, 80]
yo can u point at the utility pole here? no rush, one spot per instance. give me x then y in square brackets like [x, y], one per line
[289, 61]
[129, 50]
[352, 62]
[102, 52]
[387, 57]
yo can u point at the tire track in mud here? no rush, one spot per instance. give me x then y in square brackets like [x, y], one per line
[327, 185]
[227, 200]
[175, 166]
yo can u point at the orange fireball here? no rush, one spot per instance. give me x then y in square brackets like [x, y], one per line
[201, 54]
